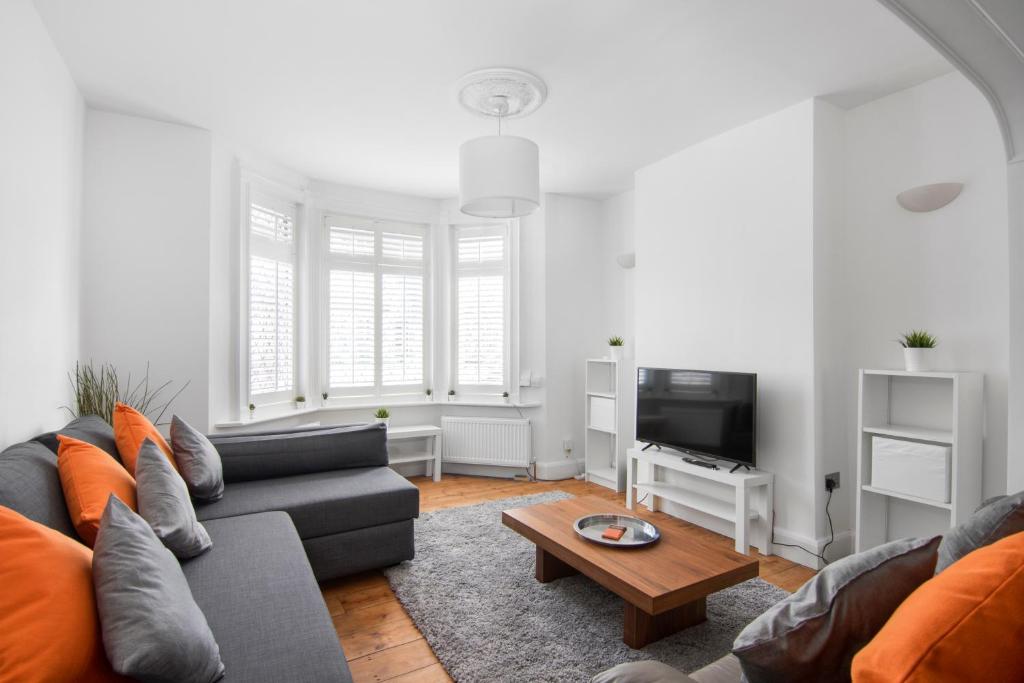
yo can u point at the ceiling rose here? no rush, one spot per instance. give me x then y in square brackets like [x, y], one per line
[508, 93]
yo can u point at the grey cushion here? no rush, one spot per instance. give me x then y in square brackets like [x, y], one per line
[724, 670]
[152, 628]
[30, 485]
[1002, 517]
[302, 451]
[165, 505]
[88, 428]
[813, 634]
[197, 460]
[325, 502]
[263, 605]
[642, 672]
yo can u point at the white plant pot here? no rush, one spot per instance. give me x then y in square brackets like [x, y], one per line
[919, 360]
[615, 352]
[299, 405]
[382, 420]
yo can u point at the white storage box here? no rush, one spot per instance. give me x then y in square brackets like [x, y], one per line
[912, 468]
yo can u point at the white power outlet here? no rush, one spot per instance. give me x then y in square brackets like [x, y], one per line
[567, 446]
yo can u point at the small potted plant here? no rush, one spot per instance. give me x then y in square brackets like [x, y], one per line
[300, 402]
[252, 410]
[918, 350]
[430, 394]
[504, 395]
[323, 398]
[451, 394]
[615, 345]
[382, 416]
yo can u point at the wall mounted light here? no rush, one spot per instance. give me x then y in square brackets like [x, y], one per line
[929, 197]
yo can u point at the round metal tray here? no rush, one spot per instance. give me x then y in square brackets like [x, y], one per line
[638, 532]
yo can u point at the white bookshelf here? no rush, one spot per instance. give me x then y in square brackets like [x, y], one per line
[600, 448]
[944, 408]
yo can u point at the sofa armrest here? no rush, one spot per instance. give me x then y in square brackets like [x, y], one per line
[284, 453]
[647, 671]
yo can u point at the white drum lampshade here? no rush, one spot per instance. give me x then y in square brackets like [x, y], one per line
[499, 177]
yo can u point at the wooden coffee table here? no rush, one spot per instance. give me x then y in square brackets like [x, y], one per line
[664, 585]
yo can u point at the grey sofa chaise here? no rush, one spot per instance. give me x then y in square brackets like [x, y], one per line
[299, 505]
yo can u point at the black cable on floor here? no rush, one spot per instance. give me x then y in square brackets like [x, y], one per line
[831, 534]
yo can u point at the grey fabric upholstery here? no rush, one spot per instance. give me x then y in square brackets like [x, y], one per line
[30, 485]
[164, 503]
[351, 552]
[197, 460]
[813, 634]
[152, 628]
[263, 604]
[90, 429]
[249, 457]
[642, 672]
[1001, 517]
[323, 503]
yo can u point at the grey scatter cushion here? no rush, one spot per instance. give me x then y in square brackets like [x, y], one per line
[1002, 517]
[198, 461]
[30, 485]
[813, 634]
[164, 503]
[648, 671]
[88, 428]
[152, 628]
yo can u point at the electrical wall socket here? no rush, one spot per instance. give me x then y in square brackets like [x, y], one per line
[835, 480]
[567, 445]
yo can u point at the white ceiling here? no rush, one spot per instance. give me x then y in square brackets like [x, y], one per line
[362, 92]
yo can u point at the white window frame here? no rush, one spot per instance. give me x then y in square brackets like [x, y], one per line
[378, 265]
[507, 268]
[273, 195]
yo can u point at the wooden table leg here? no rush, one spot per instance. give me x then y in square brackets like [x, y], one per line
[641, 628]
[550, 567]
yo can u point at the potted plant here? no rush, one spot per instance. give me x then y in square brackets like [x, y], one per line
[615, 345]
[918, 350]
[252, 410]
[300, 402]
[451, 394]
[504, 395]
[323, 397]
[430, 393]
[382, 416]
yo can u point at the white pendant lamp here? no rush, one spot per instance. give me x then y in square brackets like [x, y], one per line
[499, 175]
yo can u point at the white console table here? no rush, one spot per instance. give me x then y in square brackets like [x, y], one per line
[740, 512]
[432, 456]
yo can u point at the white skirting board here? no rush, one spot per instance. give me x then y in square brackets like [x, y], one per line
[563, 468]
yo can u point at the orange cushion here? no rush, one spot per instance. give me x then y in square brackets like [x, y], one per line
[131, 428]
[88, 476]
[966, 624]
[49, 627]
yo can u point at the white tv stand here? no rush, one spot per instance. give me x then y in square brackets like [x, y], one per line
[740, 512]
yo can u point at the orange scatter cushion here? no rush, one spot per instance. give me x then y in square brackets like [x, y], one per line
[966, 624]
[49, 627]
[131, 428]
[88, 476]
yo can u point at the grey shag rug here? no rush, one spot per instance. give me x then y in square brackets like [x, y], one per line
[471, 591]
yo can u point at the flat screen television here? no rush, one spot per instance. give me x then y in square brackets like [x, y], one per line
[701, 412]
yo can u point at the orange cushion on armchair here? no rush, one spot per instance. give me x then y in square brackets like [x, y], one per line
[966, 624]
[131, 428]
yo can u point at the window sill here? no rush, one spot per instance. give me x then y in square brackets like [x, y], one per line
[342, 407]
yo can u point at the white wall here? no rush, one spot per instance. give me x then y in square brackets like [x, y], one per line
[945, 271]
[1015, 411]
[724, 281]
[41, 123]
[146, 253]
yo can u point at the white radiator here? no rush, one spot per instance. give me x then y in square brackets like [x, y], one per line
[486, 441]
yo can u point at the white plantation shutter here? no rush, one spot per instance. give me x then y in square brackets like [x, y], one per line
[481, 303]
[376, 306]
[272, 278]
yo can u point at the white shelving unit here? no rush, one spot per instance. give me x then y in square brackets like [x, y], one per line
[944, 408]
[430, 453]
[600, 447]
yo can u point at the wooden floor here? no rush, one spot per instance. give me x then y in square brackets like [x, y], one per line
[380, 641]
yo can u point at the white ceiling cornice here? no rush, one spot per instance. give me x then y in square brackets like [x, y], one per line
[983, 39]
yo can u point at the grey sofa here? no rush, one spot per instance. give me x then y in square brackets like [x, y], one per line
[298, 506]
